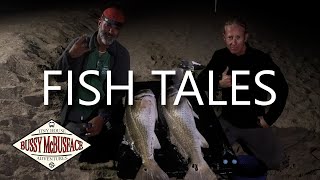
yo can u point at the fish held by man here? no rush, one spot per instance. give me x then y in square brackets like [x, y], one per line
[140, 119]
[184, 134]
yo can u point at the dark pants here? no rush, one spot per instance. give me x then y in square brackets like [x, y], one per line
[104, 147]
[260, 142]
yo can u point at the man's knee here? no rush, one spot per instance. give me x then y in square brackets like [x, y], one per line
[75, 128]
[238, 149]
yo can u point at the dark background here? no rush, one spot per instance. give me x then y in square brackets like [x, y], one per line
[272, 8]
[294, 12]
[297, 19]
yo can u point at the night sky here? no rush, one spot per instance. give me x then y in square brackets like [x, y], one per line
[292, 21]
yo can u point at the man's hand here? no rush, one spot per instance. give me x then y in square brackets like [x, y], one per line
[79, 47]
[261, 122]
[225, 82]
[97, 125]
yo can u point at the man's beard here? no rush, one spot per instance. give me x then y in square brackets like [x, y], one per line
[106, 38]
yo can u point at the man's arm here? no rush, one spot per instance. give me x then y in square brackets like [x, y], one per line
[203, 77]
[64, 63]
[69, 57]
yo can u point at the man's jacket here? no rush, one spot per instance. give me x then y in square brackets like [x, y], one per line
[245, 116]
[119, 66]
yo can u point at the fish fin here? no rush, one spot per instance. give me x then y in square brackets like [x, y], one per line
[183, 153]
[128, 140]
[127, 136]
[151, 171]
[156, 142]
[159, 110]
[156, 110]
[203, 141]
[200, 171]
[194, 114]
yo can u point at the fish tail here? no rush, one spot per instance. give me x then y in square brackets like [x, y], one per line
[200, 171]
[152, 171]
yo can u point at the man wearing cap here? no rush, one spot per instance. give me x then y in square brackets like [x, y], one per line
[99, 124]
